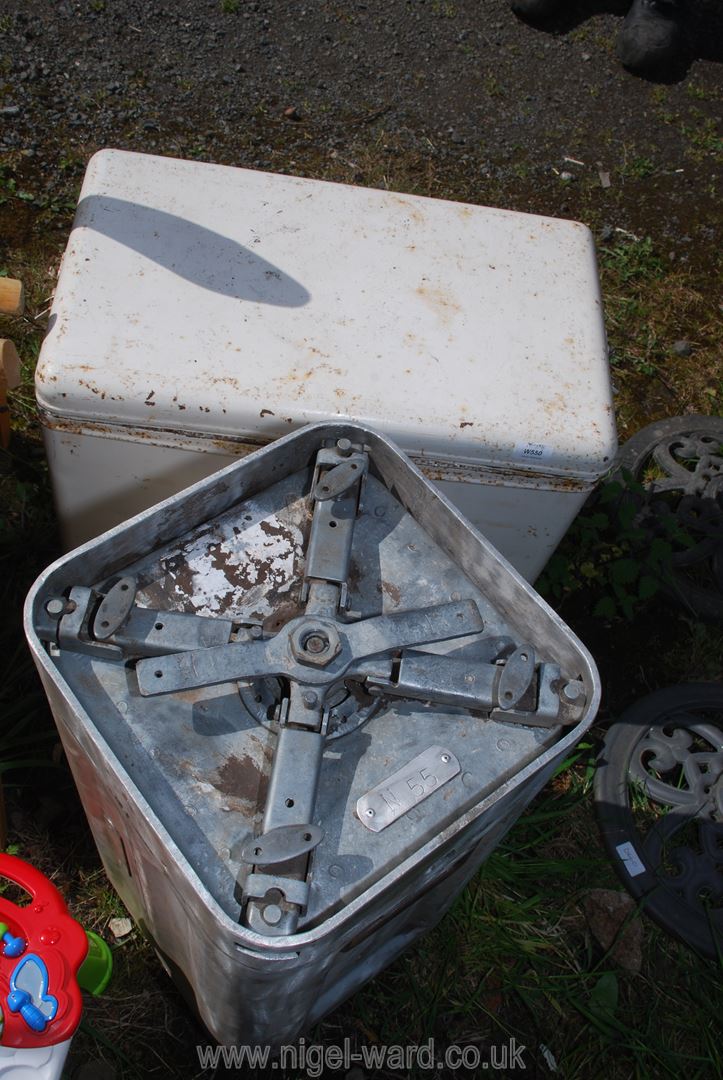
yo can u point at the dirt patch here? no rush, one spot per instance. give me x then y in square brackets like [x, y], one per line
[16, 223]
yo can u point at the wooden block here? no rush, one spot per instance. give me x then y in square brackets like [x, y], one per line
[9, 379]
[12, 296]
[9, 365]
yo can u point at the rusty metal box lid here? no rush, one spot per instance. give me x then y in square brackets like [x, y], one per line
[226, 302]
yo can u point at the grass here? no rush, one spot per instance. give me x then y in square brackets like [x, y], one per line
[649, 306]
[636, 167]
[704, 138]
[443, 9]
[515, 957]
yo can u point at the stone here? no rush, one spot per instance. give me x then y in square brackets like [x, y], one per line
[613, 922]
[120, 928]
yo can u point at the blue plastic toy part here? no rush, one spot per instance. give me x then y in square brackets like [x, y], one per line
[29, 993]
[19, 1001]
[14, 946]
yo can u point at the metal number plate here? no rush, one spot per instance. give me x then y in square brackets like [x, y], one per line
[410, 785]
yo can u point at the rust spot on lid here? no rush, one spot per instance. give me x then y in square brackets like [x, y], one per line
[392, 592]
[354, 574]
[440, 300]
[241, 778]
[282, 614]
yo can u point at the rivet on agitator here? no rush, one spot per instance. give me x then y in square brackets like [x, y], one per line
[272, 914]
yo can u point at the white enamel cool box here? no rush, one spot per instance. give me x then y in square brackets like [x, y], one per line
[203, 311]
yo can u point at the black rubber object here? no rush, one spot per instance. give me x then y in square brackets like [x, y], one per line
[688, 452]
[659, 803]
[651, 37]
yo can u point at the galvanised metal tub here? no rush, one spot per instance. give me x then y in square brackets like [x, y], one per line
[351, 718]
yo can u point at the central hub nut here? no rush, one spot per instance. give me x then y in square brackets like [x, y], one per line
[315, 644]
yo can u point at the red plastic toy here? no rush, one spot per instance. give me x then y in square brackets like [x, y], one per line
[41, 950]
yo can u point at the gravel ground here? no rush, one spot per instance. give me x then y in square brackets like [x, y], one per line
[453, 96]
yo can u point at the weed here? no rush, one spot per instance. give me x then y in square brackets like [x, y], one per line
[96, 902]
[696, 649]
[493, 86]
[700, 93]
[632, 260]
[637, 168]
[443, 9]
[71, 163]
[9, 190]
[648, 306]
[230, 7]
[198, 152]
[20, 743]
[632, 266]
[608, 551]
[703, 138]
[648, 350]
[26, 737]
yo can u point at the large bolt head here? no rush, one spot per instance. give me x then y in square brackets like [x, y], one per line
[315, 643]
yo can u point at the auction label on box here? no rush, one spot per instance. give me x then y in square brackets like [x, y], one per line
[532, 451]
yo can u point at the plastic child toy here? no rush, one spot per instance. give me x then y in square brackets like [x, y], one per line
[45, 959]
